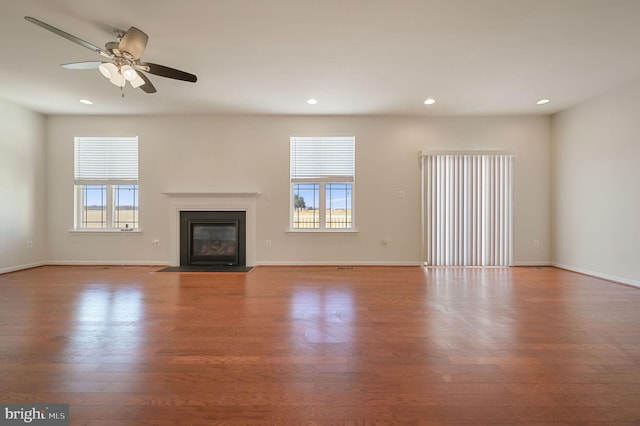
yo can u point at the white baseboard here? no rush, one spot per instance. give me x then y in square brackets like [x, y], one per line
[534, 263]
[613, 278]
[166, 263]
[335, 263]
[108, 262]
[600, 275]
[21, 267]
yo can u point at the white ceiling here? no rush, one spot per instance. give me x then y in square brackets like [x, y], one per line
[475, 57]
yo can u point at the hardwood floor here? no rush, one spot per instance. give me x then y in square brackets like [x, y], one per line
[322, 346]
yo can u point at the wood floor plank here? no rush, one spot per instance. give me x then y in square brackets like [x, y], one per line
[322, 346]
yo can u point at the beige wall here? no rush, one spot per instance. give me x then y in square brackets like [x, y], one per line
[22, 196]
[594, 199]
[596, 193]
[251, 154]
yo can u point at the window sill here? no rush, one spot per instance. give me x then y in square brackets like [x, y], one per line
[104, 231]
[321, 231]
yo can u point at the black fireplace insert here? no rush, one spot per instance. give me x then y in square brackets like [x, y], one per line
[212, 238]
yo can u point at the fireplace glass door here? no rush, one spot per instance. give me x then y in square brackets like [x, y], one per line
[213, 242]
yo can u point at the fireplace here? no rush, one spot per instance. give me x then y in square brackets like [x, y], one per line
[212, 238]
[194, 201]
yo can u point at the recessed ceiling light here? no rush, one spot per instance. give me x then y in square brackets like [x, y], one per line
[312, 101]
[430, 101]
[86, 102]
[543, 101]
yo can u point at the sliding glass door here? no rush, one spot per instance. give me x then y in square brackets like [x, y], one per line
[467, 209]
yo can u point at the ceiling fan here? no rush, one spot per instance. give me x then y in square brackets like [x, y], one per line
[123, 59]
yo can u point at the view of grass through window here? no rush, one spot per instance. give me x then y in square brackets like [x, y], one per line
[307, 205]
[125, 206]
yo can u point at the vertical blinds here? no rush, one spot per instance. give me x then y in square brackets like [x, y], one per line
[100, 160]
[468, 210]
[322, 158]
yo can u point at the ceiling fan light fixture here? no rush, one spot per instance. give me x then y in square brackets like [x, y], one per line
[136, 82]
[118, 80]
[129, 73]
[108, 70]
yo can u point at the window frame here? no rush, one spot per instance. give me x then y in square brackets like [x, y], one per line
[322, 182]
[110, 187]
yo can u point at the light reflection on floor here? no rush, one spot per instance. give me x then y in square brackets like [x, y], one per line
[108, 322]
[322, 315]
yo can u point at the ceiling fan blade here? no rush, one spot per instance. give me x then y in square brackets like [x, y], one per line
[65, 35]
[163, 71]
[133, 43]
[147, 86]
[82, 65]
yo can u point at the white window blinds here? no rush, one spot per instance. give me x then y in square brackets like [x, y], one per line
[323, 158]
[101, 160]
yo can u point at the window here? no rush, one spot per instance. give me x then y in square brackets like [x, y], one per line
[106, 183]
[322, 173]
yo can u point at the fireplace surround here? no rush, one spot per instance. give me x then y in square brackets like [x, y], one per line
[211, 201]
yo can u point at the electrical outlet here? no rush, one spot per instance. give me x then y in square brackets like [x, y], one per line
[155, 242]
[536, 243]
[267, 243]
[29, 244]
[386, 243]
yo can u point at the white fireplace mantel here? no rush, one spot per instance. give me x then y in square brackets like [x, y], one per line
[212, 194]
[211, 201]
